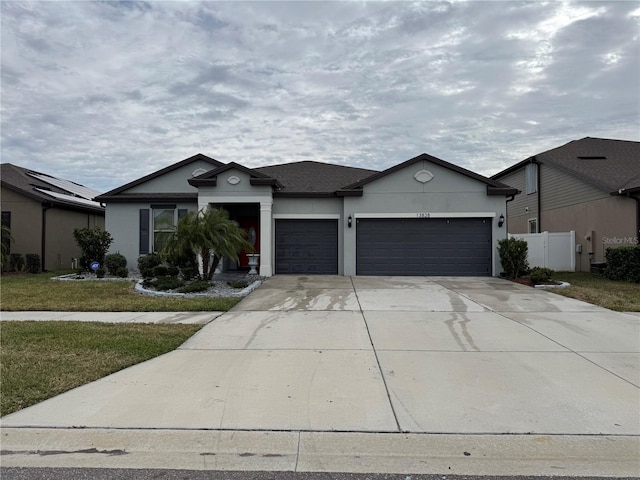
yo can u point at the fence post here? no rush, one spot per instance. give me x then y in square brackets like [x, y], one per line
[545, 248]
[572, 249]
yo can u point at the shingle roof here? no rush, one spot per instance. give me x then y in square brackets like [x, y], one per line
[46, 188]
[611, 165]
[314, 177]
[300, 179]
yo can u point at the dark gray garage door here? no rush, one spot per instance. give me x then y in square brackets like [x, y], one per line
[429, 246]
[307, 246]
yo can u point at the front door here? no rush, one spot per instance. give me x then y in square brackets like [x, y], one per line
[252, 227]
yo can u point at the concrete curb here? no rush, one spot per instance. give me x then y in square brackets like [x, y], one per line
[453, 454]
[155, 293]
[73, 277]
[550, 287]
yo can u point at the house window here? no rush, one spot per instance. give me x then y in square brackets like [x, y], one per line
[533, 225]
[164, 224]
[532, 178]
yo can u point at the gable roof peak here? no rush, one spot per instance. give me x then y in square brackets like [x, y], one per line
[494, 184]
[197, 157]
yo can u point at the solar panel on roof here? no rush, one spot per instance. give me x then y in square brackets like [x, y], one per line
[71, 187]
[70, 198]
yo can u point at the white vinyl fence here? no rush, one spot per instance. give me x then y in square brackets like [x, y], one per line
[551, 250]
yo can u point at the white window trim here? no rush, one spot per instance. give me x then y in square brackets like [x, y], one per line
[152, 229]
[428, 215]
[306, 216]
[531, 170]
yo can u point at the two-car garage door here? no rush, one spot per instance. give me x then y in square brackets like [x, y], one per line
[423, 246]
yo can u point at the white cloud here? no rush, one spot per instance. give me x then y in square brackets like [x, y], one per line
[105, 92]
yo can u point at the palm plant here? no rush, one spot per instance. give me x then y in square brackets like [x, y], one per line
[207, 232]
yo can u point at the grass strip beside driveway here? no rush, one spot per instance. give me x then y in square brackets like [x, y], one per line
[42, 359]
[40, 293]
[598, 290]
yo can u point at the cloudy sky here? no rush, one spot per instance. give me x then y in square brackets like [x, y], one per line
[104, 92]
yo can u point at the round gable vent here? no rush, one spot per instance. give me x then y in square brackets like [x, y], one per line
[423, 176]
[198, 171]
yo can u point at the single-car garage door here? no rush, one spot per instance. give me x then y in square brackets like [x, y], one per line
[307, 246]
[423, 246]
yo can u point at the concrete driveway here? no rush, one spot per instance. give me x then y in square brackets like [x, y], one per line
[380, 354]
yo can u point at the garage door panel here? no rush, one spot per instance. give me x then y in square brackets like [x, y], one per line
[306, 246]
[457, 246]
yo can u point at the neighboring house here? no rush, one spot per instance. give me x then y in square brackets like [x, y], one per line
[42, 211]
[590, 186]
[422, 217]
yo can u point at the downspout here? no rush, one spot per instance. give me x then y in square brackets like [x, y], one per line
[539, 193]
[43, 246]
[506, 222]
[637, 199]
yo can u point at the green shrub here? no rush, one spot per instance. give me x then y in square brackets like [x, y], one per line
[167, 283]
[101, 272]
[237, 284]
[16, 262]
[173, 271]
[197, 286]
[160, 271]
[189, 273]
[540, 275]
[146, 264]
[122, 272]
[94, 244]
[623, 263]
[513, 256]
[33, 263]
[182, 259]
[114, 261]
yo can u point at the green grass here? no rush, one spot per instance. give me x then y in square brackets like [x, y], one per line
[595, 289]
[42, 359]
[39, 292]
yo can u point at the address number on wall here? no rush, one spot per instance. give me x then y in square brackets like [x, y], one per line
[423, 215]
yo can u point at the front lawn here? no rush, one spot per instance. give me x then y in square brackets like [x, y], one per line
[595, 289]
[38, 292]
[42, 359]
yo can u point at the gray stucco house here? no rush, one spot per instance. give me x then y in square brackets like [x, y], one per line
[590, 186]
[424, 216]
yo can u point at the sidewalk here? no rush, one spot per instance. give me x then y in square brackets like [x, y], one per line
[199, 318]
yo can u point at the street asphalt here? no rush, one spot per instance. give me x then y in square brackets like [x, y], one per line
[409, 375]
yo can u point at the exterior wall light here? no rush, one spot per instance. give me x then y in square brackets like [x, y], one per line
[349, 221]
[501, 220]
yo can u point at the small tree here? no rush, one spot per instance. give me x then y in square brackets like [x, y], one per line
[207, 232]
[513, 256]
[6, 246]
[94, 244]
